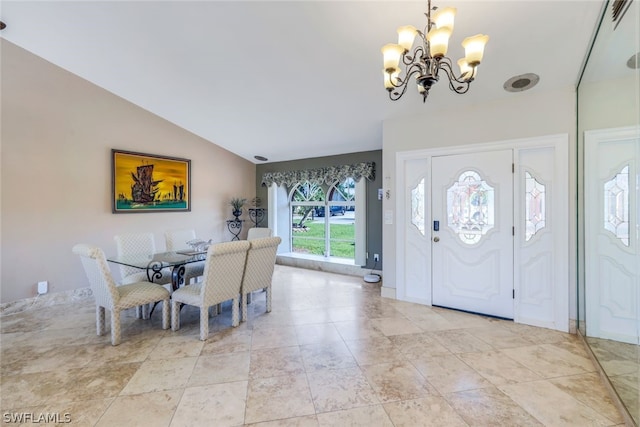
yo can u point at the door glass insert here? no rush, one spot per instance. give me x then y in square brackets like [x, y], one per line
[535, 209]
[470, 207]
[417, 206]
[616, 205]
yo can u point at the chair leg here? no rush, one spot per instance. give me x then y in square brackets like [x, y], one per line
[204, 323]
[115, 326]
[249, 298]
[175, 315]
[243, 302]
[235, 312]
[99, 320]
[268, 288]
[145, 311]
[138, 312]
[165, 313]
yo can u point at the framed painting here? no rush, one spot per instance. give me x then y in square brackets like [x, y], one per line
[149, 183]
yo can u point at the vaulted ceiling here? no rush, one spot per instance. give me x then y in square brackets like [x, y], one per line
[295, 79]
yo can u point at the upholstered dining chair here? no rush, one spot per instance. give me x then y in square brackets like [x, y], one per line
[222, 281]
[258, 271]
[136, 244]
[176, 240]
[117, 298]
[259, 233]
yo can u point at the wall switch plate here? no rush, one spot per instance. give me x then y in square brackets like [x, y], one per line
[43, 287]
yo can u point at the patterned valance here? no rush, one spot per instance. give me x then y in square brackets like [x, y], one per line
[319, 176]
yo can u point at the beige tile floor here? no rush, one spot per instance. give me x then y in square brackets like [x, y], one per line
[331, 353]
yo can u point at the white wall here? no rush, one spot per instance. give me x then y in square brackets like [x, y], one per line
[522, 115]
[57, 134]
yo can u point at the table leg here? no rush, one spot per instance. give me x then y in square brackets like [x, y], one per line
[177, 276]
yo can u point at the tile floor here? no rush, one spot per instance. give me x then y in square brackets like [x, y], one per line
[331, 353]
[620, 363]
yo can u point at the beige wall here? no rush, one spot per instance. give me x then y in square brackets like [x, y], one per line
[57, 133]
[523, 115]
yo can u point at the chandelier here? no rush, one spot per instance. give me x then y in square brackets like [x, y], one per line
[429, 58]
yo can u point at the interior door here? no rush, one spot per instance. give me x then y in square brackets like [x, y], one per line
[611, 250]
[472, 234]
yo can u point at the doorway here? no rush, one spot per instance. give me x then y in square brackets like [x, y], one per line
[472, 244]
[484, 228]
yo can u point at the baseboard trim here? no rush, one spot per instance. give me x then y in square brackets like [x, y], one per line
[387, 292]
[46, 300]
[321, 265]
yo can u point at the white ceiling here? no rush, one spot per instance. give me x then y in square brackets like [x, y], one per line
[296, 79]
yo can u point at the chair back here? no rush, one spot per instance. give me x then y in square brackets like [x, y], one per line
[176, 240]
[97, 270]
[133, 244]
[261, 260]
[259, 233]
[223, 271]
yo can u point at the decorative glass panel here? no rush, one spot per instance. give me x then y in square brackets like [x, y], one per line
[344, 191]
[470, 207]
[306, 192]
[535, 209]
[417, 206]
[616, 205]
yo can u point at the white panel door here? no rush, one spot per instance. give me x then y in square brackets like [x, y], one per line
[472, 249]
[611, 244]
[537, 225]
[416, 233]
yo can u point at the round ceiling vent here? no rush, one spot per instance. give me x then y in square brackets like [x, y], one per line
[521, 83]
[634, 61]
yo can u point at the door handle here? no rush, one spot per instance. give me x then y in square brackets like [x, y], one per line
[436, 239]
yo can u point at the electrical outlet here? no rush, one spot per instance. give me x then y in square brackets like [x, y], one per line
[376, 257]
[43, 287]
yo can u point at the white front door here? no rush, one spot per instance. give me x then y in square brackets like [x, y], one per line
[472, 232]
[611, 227]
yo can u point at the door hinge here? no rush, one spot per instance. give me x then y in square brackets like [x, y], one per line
[513, 168]
[514, 294]
[513, 231]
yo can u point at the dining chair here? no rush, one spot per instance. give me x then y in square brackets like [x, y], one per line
[176, 240]
[222, 281]
[136, 244]
[258, 271]
[117, 298]
[258, 233]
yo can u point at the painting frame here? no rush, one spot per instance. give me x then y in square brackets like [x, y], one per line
[144, 183]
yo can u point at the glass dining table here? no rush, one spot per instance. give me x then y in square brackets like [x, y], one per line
[156, 264]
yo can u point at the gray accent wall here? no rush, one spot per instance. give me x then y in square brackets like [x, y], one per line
[374, 206]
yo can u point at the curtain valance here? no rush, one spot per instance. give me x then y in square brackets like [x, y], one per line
[327, 175]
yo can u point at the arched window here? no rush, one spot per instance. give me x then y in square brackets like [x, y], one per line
[324, 225]
[299, 199]
[306, 200]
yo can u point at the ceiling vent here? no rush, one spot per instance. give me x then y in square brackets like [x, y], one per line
[521, 83]
[618, 9]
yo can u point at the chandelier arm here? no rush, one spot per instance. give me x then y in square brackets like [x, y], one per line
[463, 84]
[411, 70]
[394, 95]
[410, 59]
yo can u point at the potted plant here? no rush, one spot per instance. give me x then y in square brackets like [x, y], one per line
[237, 204]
